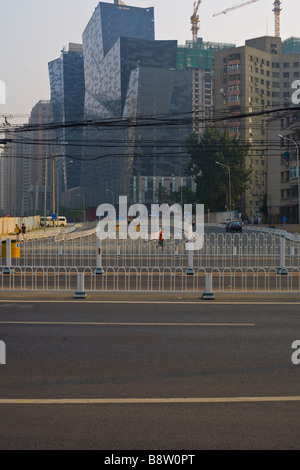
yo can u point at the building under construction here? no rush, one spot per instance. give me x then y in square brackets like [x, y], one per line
[198, 56]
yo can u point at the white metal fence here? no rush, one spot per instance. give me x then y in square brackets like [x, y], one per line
[219, 251]
[150, 280]
[248, 262]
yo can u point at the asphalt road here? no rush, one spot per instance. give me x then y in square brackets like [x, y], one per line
[149, 374]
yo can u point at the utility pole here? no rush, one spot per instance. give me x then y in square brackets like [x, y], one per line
[229, 183]
[45, 195]
[53, 187]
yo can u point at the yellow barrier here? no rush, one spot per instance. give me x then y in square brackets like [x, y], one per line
[15, 249]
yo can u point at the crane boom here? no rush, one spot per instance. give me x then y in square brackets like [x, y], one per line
[195, 20]
[235, 7]
[276, 11]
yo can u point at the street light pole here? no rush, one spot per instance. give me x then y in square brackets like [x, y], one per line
[109, 191]
[84, 215]
[229, 176]
[45, 194]
[298, 179]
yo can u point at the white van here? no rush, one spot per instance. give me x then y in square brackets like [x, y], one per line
[48, 221]
[60, 222]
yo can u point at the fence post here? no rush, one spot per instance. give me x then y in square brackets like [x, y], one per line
[282, 269]
[8, 269]
[80, 294]
[208, 293]
[190, 269]
[118, 255]
[99, 269]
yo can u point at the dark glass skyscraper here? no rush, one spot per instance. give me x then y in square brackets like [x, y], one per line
[67, 100]
[129, 76]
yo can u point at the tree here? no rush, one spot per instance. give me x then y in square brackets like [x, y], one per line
[212, 179]
[264, 207]
[163, 195]
[184, 193]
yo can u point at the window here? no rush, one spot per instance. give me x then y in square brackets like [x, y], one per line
[234, 98]
[233, 67]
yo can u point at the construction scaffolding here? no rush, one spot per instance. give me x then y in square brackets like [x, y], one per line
[199, 54]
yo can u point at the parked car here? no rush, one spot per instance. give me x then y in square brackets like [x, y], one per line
[233, 226]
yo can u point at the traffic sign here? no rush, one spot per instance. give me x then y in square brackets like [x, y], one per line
[54, 216]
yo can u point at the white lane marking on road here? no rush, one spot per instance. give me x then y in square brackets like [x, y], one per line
[11, 322]
[187, 302]
[137, 401]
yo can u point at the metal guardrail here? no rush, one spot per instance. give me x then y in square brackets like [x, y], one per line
[150, 280]
[257, 261]
[222, 250]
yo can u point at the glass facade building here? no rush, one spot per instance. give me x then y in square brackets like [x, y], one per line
[131, 76]
[67, 101]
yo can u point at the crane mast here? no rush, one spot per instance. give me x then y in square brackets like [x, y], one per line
[195, 20]
[276, 11]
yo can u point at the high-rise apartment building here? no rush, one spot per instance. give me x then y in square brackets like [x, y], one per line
[27, 166]
[16, 166]
[249, 81]
[42, 149]
[283, 167]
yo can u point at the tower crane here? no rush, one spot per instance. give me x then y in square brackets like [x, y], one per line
[276, 11]
[235, 7]
[195, 20]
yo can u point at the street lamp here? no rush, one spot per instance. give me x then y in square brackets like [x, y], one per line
[181, 185]
[109, 191]
[79, 195]
[297, 150]
[226, 166]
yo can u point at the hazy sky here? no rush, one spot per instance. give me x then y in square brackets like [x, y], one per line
[33, 32]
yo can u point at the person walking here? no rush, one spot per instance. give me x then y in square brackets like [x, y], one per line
[161, 239]
[17, 231]
[23, 229]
